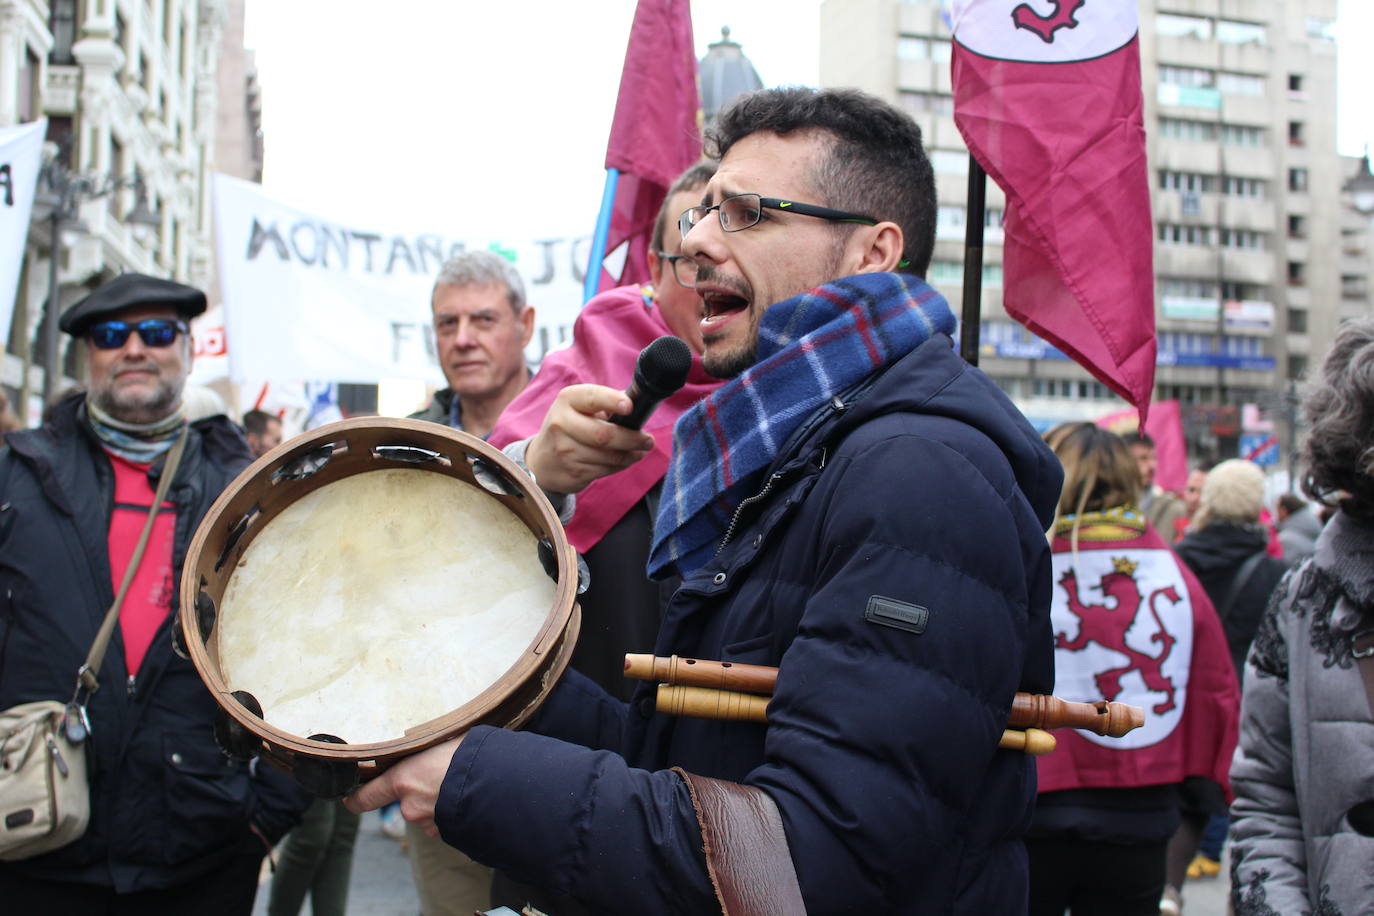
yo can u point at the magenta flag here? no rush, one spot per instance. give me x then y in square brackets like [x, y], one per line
[1050, 106]
[656, 133]
[1165, 427]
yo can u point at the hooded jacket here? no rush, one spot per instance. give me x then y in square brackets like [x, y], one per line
[1303, 772]
[166, 805]
[1215, 554]
[894, 566]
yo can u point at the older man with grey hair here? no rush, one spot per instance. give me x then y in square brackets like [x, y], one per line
[481, 327]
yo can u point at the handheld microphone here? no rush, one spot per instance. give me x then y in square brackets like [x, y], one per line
[660, 371]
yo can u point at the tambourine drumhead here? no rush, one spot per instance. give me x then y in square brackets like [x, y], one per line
[380, 601]
[373, 588]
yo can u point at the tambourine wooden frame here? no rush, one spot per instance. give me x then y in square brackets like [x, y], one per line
[508, 702]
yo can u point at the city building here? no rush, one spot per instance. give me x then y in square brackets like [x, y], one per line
[1245, 179]
[130, 93]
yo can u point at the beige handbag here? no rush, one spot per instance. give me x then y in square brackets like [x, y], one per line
[44, 794]
[45, 797]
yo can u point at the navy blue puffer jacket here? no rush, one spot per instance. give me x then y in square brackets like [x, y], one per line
[925, 488]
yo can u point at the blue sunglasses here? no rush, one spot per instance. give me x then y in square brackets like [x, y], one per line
[154, 332]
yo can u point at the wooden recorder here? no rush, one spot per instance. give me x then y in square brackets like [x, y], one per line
[740, 693]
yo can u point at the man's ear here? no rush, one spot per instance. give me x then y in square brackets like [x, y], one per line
[878, 248]
[527, 324]
[655, 264]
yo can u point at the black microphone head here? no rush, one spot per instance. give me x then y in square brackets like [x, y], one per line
[662, 366]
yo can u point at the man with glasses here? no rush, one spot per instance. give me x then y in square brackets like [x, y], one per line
[174, 827]
[855, 507]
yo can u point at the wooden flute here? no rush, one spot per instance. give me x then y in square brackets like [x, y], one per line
[727, 690]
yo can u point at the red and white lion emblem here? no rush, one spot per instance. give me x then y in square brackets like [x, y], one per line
[1123, 628]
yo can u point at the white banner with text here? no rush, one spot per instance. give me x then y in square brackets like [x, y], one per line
[21, 156]
[307, 298]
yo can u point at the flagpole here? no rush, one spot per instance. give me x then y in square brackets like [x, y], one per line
[970, 323]
[603, 227]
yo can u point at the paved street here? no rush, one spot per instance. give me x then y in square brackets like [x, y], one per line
[382, 885]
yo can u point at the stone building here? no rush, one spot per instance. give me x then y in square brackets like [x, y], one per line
[130, 92]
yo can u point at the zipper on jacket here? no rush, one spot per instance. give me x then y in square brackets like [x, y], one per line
[730, 532]
[132, 685]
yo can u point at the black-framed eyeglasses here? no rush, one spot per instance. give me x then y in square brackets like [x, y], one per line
[154, 332]
[745, 210]
[674, 260]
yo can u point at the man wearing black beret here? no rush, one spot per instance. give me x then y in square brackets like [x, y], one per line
[175, 827]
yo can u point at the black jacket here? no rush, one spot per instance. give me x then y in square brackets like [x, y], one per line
[1215, 555]
[166, 805]
[898, 573]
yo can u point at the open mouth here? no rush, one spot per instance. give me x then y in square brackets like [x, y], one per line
[717, 305]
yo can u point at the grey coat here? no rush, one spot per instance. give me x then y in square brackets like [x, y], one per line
[1306, 752]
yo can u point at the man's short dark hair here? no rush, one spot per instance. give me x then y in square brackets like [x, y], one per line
[694, 177]
[1137, 437]
[255, 421]
[876, 164]
[1291, 503]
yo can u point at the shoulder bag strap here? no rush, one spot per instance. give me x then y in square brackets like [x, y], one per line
[746, 849]
[1243, 576]
[86, 675]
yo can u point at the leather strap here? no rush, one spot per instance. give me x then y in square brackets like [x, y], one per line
[86, 675]
[1243, 576]
[746, 849]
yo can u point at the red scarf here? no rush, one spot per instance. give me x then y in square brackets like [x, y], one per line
[1132, 624]
[607, 338]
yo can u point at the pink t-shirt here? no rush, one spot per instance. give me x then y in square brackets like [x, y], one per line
[150, 594]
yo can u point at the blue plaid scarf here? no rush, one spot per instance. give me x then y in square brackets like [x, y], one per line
[810, 348]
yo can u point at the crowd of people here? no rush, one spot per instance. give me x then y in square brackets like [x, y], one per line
[833, 493]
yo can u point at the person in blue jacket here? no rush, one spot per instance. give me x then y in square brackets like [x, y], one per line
[857, 507]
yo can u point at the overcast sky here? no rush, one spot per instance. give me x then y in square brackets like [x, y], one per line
[490, 119]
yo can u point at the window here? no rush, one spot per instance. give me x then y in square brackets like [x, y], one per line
[1242, 187]
[1186, 181]
[62, 23]
[1175, 234]
[1187, 288]
[1297, 226]
[1236, 135]
[1183, 129]
[1320, 29]
[1297, 366]
[1239, 33]
[1297, 321]
[919, 103]
[1295, 133]
[1173, 26]
[1297, 180]
[1240, 84]
[911, 47]
[1244, 239]
[949, 162]
[1295, 83]
[1188, 77]
[1297, 276]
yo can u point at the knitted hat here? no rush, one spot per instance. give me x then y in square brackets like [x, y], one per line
[1234, 492]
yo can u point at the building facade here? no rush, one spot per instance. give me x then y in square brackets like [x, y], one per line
[130, 93]
[1246, 191]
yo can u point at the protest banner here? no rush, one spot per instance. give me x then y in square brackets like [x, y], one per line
[305, 297]
[21, 148]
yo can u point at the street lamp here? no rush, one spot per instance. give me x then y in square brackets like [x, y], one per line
[63, 191]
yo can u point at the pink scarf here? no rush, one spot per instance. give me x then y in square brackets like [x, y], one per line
[607, 338]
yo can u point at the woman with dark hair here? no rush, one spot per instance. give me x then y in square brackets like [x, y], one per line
[1132, 625]
[1303, 830]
